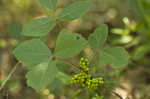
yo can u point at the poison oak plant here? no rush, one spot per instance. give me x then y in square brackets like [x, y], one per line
[41, 62]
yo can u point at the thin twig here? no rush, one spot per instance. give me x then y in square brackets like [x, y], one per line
[69, 63]
[9, 76]
[117, 95]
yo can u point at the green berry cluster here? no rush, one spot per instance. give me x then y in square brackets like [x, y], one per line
[84, 64]
[84, 78]
[94, 83]
[81, 78]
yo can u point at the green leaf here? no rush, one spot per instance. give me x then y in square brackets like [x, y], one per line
[141, 51]
[50, 4]
[39, 27]
[116, 57]
[32, 52]
[56, 87]
[14, 29]
[64, 78]
[137, 7]
[58, 83]
[69, 45]
[42, 75]
[74, 11]
[98, 38]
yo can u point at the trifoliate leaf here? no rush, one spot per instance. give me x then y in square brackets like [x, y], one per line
[74, 11]
[39, 27]
[98, 38]
[69, 45]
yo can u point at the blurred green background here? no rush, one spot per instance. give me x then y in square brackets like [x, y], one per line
[129, 27]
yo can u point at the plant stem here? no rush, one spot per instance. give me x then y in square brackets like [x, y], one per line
[69, 63]
[9, 76]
